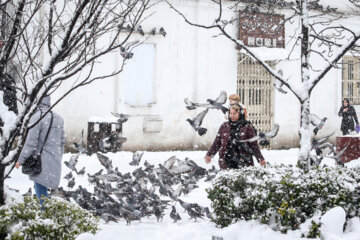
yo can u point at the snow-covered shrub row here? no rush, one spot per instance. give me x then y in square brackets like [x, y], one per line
[284, 196]
[58, 219]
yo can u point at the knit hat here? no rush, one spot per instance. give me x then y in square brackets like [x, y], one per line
[235, 99]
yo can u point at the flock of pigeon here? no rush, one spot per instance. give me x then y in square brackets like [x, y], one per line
[147, 191]
[322, 146]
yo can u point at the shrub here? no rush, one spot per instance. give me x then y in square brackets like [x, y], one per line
[284, 196]
[57, 219]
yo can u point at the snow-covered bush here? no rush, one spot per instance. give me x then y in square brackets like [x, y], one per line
[58, 219]
[284, 196]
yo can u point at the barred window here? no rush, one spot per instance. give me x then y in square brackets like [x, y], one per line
[351, 79]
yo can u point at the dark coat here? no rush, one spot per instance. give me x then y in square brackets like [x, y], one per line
[348, 118]
[222, 139]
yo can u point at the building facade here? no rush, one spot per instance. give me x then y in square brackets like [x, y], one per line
[197, 63]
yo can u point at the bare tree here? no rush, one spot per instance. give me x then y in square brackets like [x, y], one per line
[318, 32]
[46, 43]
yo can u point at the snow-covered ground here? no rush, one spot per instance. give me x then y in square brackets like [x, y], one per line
[150, 229]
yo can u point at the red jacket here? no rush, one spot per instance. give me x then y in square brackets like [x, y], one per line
[222, 139]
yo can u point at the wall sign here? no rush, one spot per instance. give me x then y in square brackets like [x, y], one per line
[262, 30]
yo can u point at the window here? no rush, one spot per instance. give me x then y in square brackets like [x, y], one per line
[351, 79]
[140, 76]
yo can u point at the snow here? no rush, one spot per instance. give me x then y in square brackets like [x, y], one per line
[150, 229]
[333, 222]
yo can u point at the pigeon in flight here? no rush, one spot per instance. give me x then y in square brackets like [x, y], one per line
[278, 86]
[315, 144]
[314, 160]
[317, 122]
[337, 157]
[106, 144]
[324, 146]
[105, 161]
[213, 104]
[80, 146]
[264, 137]
[121, 117]
[197, 121]
[72, 162]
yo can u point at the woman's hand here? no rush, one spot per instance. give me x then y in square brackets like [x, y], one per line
[345, 109]
[207, 159]
[17, 165]
[263, 163]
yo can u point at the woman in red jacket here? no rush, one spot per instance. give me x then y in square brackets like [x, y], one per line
[232, 153]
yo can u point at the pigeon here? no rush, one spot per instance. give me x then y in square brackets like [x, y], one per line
[317, 142]
[211, 104]
[29, 193]
[107, 217]
[136, 158]
[159, 213]
[264, 136]
[109, 177]
[68, 176]
[128, 28]
[330, 10]
[218, 103]
[71, 183]
[81, 172]
[153, 31]
[72, 162]
[337, 157]
[121, 117]
[106, 144]
[197, 121]
[185, 205]
[317, 122]
[175, 194]
[140, 30]
[170, 162]
[174, 215]
[321, 147]
[209, 214]
[80, 146]
[162, 31]
[125, 51]
[194, 215]
[314, 160]
[105, 161]
[278, 86]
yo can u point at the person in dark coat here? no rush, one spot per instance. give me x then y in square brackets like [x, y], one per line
[53, 150]
[348, 114]
[233, 154]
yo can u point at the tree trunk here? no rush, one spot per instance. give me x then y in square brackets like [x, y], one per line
[305, 136]
[2, 180]
[305, 147]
